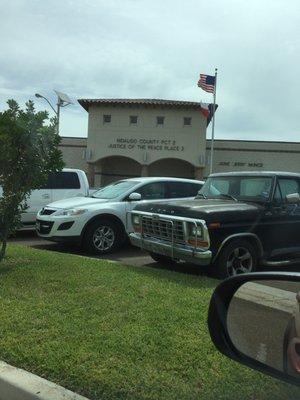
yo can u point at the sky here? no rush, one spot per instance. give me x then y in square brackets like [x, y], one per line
[157, 49]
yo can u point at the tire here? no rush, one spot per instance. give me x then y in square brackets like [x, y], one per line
[162, 259]
[229, 262]
[103, 236]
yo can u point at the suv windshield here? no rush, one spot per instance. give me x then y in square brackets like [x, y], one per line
[249, 188]
[115, 190]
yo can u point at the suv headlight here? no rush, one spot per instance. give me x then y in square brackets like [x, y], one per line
[70, 212]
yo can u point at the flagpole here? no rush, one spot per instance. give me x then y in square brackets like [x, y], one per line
[213, 125]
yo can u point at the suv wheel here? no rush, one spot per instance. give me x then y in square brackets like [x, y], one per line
[162, 259]
[237, 257]
[103, 237]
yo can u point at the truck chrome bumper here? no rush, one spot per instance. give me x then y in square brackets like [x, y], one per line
[185, 253]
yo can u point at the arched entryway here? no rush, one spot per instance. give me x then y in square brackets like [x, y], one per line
[173, 167]
[111, 169]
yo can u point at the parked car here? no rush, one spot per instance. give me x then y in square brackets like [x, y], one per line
[99, 222]
[61, 185]
[237, 222]
[254, 320]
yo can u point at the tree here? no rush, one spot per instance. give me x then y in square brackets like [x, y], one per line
[28, 154]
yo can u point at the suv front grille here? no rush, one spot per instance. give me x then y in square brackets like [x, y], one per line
[162, 229]
[44, 227]
[47, 211]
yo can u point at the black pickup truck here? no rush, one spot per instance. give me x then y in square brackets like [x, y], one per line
[237, 222]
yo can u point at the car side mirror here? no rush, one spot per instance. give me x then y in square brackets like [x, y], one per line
[293, 198]
[254, 319]
[135, 196]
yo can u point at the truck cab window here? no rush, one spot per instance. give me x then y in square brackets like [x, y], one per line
[64, 180]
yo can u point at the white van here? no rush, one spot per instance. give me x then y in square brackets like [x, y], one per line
[61, 185]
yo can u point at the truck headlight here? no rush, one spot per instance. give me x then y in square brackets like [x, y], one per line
[135, 220]
[196, 236]
[136, 223]
[70, 212]
[196, 231]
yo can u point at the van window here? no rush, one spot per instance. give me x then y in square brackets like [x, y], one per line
[64, 180]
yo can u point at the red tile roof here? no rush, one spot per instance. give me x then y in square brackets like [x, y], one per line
[85, 103]
[151, 103]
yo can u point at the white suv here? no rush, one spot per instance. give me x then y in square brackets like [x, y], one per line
[98, 222]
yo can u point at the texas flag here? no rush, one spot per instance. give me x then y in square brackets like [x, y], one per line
[205, 109]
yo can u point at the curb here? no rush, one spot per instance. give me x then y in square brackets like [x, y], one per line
[17, 384]
[268, 296]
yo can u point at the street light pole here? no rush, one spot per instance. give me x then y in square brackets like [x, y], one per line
[62, 101]
[58, 113]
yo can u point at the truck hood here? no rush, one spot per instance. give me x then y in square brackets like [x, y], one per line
[211, 210]
[76, 202]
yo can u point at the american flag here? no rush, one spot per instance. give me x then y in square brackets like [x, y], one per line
[207, 83]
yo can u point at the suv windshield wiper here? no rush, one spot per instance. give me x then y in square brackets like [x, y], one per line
[201, 195]
[228, 196]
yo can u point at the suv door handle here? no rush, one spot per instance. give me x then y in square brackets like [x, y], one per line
[46, 196]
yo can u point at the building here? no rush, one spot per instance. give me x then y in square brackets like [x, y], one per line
[146, 137]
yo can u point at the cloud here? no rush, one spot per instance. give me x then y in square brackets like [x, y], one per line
[157, 49]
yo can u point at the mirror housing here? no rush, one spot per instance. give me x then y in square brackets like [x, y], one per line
[227, 324]
[293, 198]
[135, 196]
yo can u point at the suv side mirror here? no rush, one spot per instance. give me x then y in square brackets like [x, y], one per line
[293, 198]
[135, 196]
[254, 319]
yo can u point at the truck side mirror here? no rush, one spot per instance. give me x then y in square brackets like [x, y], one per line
[254, 319]
[293, 198]
[135, 196]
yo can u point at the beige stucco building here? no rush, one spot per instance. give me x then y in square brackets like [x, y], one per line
[144, 137]
[163, 138]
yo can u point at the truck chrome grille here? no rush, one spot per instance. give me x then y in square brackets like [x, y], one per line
[162, 229]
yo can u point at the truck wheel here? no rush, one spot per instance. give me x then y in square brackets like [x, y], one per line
[162, 259]
[103, 236]
[237, 257]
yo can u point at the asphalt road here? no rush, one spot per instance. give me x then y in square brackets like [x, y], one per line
[258, 331]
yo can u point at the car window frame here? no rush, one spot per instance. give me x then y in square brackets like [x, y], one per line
[136, 190]
[182, 183]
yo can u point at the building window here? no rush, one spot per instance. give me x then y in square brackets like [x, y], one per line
[160, 120]
[133, 119]
[106, 119]
[187, 121]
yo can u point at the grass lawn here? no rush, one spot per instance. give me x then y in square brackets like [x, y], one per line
[109, 331]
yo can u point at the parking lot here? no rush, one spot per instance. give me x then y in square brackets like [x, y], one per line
[128, 255]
